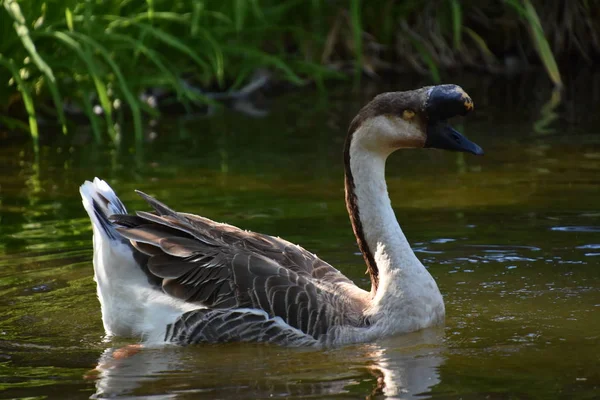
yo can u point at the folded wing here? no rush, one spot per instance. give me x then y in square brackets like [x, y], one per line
[223, 267]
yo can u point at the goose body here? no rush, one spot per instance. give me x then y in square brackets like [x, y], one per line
[170, 277]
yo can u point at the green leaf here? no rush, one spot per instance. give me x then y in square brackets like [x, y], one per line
[541, 44]
[69, 18]
[27, 100]
[182, 93]
[118, 21]
[217, 62]
[150, 9]
[86, 57]
[456, 23]
[487, 53]
[23, 32]
[174, 42]
[13, 123]
[197, 11]
[129, 97]
[239, 14]
[542, 47]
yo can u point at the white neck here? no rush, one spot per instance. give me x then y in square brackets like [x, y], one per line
[401, 274]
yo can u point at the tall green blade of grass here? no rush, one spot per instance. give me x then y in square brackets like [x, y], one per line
[182, 18]
[86, 57]
[182, 93]
[197, 11]
[13, 123]
[239, 14]
[69, 18]
[13, 9]
[316, 15]
[89, 111]
[156, 16]
[480, 42]
[456, 10]
[541, 44]
[175, 43]
[258, 12]
[217, 62]
[129, 97]
[267, 59]
[357, 31]
[527, 11]
[150, 9]
[27, 100]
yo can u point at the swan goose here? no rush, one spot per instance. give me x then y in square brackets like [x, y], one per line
[170, 277]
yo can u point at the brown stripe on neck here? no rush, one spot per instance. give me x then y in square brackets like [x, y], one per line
[353, 212]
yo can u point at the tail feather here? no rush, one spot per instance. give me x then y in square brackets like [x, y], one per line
[131, 298]
[160, 208]
[117, 267]
[100, 202]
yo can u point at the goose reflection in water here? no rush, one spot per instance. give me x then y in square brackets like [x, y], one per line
[403, 367]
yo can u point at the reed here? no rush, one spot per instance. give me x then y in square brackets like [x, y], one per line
[68, 58]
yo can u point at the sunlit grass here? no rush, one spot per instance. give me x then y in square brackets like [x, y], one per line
[104, 54]
[527, 11]
[98, 58]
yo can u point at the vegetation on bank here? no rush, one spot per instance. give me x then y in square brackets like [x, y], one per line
[100, 61]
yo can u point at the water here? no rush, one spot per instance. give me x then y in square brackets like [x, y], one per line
[512, 238]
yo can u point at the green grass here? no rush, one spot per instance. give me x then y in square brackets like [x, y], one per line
[92, 55]
[542, 47]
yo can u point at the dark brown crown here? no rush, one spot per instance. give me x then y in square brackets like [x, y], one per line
[431, 103]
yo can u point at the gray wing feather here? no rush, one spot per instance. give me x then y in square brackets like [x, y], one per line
[225, 268]
[218, 326]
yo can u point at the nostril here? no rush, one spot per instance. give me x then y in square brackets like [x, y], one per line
[456, 137]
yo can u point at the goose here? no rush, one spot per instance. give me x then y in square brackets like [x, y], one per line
[170, 277]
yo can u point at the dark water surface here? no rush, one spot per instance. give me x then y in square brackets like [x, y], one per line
[513, 239]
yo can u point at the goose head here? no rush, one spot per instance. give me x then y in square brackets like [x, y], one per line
[413, 119]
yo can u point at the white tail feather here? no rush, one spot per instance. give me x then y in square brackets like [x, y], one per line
[114, 265]
[100, 202]
[130, 305]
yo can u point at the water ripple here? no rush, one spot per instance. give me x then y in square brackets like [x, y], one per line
[426, 250]
[589, 246]
[499, 247]
[576, 228]
[443, 240]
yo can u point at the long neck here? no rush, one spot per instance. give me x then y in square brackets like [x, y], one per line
[386, 251]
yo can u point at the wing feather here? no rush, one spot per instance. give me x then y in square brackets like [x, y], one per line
[222, 267]
[169, 267]
[179, 246]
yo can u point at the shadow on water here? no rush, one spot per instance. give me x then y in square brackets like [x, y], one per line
[512, 239]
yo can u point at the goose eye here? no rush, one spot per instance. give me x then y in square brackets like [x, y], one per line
[408, 115]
